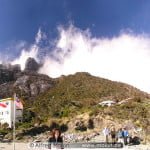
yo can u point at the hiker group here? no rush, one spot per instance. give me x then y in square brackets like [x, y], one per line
[117, 136]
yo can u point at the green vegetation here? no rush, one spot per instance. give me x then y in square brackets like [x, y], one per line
[131, 110]
[75, 94]
[80, 94]
[4, 129]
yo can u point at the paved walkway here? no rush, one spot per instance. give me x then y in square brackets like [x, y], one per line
[26, 146]
[43, 146]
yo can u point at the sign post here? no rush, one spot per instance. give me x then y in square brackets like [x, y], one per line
[14, 120]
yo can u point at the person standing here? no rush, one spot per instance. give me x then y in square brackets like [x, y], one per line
[106, 133]
[125, 136]
[120, 135]
[56, 140]
[113, 135]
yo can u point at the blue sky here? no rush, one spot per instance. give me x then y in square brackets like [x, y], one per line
[107, 38]
[20, 19]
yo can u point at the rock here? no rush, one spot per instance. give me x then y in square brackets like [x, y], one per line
[44, 87]
[90, 124]
[31, 65]
[22, 80]
[36, 124]
[6, 75]
[22, 84]
[34, 89]
[8, 136]
[6, 90]
[16, 68]
[79, 125]
[98, 121]
[33, 84]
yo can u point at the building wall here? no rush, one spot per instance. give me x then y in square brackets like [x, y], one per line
[7, 114]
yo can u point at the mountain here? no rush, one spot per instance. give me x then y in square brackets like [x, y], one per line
[27, 84]
[82, 90]
[78, 91]
[72, 101]
[31, 65]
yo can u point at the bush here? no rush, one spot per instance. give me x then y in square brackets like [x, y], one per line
[90, 124]
[3, 131]
[65, 112]
[28, 115]
[54, 125]
[4, 125]
[24, 125]
[80, 126]
[63, 127]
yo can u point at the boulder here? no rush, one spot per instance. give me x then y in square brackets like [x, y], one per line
[31, 65]
[80, 126]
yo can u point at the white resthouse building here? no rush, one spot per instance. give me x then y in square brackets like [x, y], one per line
[7, 112]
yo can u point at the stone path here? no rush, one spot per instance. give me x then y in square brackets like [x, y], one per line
[43, 146]
[26, 146]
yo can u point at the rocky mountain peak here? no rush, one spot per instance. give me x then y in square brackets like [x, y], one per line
[31, 65]
[28, 83]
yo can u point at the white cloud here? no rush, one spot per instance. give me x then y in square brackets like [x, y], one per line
[31, 52]
[123, 58]
[40, 35]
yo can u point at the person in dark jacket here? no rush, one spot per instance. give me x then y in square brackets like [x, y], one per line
[56, 140]
[113, 135]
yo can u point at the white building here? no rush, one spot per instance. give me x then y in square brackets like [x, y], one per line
[7, 112]
[107, 103]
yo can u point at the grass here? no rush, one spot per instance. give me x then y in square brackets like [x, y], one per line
[75, 93]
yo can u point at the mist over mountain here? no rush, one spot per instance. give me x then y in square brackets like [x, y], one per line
[123, 58]
[25, 82]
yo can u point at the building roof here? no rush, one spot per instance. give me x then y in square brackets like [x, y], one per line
[6, 99]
